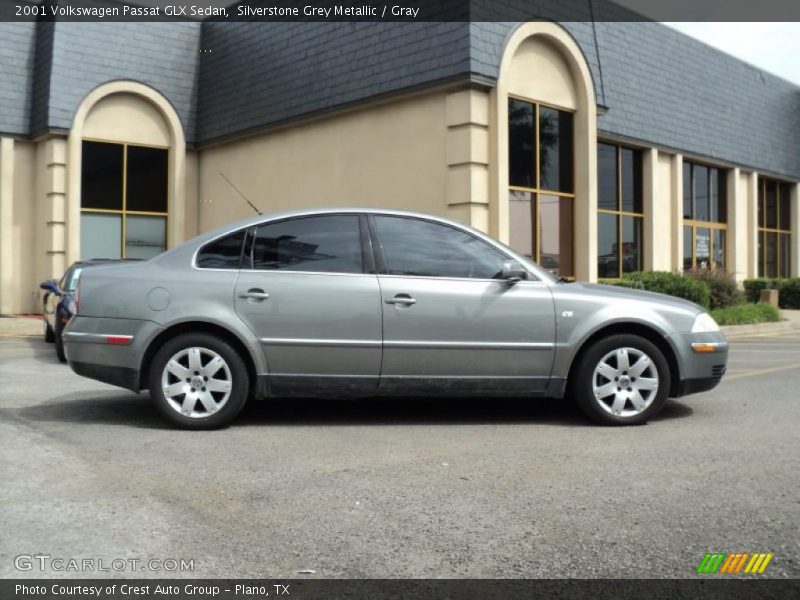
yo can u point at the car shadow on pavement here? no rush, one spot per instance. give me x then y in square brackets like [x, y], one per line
[132, 410]
[426, 411]
[41, 351]
[116, 408]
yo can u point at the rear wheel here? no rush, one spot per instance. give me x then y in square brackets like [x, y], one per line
[198, 381]
[49, 336]
[621, 380]
[59, 339]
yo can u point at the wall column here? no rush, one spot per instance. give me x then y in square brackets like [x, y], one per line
[676, 209]
[738, 241]
[52, 208]
[794, 260]
[7, 282]
[467, 185]
[656, 205]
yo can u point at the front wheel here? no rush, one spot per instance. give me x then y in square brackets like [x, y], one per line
[621, 380]
[198, 381]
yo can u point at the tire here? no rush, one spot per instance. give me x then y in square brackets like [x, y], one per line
[59, 335]
[611, 393]
[178, 386]
[49, 336]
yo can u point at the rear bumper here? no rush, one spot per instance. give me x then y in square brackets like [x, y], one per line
[108, 350]
[123, 377]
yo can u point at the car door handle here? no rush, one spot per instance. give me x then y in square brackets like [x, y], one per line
[255, 294]
[403, 299]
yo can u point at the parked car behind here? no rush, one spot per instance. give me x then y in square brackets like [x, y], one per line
[58, 303]
[365, 302]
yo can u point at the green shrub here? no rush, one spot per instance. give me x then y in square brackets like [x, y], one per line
[789, 293]
[788, 290]
[746, 314]
[672, 284]
[721, 285]
[753, 287]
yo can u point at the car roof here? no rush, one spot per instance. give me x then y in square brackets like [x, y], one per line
[308, 212]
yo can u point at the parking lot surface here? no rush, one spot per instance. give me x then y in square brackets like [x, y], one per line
[401, 488]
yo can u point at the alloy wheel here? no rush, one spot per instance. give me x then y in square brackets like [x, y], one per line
[625, 382]
[196, 382]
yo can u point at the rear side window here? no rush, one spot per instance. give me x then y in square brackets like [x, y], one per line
[224, 253]
[426, 249]
[328, 243]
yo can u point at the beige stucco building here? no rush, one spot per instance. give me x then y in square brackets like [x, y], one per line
[538, 150]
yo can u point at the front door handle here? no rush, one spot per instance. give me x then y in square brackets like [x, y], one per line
[402, 300]
[255, 294]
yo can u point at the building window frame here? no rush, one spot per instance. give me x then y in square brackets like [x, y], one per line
[691, 225]
[537, 191]
[124, 212]
[619, 213]
[779, 231]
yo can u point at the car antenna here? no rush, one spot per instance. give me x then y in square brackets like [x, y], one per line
[230, 183]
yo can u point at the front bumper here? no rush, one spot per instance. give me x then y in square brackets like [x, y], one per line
[108, 350]
[702, 361]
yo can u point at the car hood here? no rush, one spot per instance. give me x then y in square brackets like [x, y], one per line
[588, 306]
[612, 292]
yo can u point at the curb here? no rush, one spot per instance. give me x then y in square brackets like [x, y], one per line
[20, 326]
[734, 331]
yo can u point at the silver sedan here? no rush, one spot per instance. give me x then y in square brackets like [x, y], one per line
[369, 303]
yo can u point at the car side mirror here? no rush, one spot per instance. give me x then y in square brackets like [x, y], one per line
[51, 286]
[513, 271]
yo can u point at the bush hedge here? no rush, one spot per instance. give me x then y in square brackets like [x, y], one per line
[673, 284]
[746, 314]
[721, 285]
[788, 290]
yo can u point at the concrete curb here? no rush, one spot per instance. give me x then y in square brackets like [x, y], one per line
[734, 331]
[21, 325]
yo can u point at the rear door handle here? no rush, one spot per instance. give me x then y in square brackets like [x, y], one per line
[401, 299]
[255, 294]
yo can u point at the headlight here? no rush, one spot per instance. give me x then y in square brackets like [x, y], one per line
[704, 323]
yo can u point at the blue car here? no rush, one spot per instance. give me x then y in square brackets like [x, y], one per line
[58, 303]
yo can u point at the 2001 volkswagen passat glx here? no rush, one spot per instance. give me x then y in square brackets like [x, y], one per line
[363, 302]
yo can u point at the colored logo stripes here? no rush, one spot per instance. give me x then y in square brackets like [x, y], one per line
[734, 562]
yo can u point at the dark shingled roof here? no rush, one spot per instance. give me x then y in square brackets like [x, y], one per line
[658, 86]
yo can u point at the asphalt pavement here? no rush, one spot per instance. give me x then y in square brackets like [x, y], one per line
[398, 488]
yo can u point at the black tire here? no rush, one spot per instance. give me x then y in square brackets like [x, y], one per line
[583, 378]
[59, 339]
[49, 335]
[239, 381]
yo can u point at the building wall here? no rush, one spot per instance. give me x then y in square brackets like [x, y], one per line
[392, 155]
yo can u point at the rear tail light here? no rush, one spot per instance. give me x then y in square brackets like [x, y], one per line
[75, 295]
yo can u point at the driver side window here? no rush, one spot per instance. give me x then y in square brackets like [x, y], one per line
[426, 249]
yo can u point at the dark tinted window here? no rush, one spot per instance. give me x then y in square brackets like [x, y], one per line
[101, 179]
[688, 191]
[521, 143]
[223, 253]
[146, 179]
[423, 248]
[631, 180]
[555, 150]
[607, 177]
[329, 243]
[785, 207]
[772, 204]
[701, 198]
